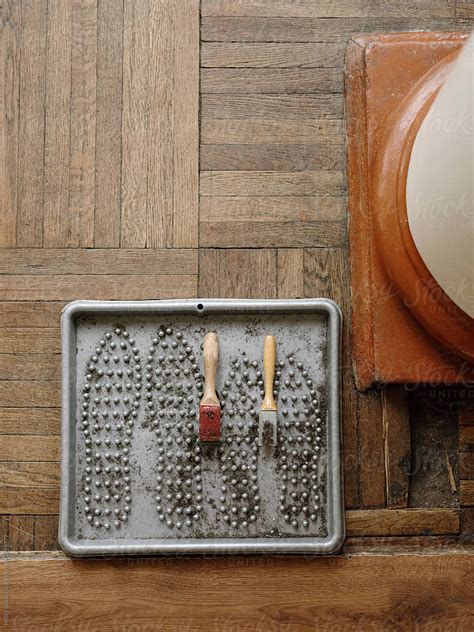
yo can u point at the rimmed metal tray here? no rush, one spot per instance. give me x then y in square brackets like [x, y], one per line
[134, 478]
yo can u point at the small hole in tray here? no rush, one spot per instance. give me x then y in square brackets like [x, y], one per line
[200, 306]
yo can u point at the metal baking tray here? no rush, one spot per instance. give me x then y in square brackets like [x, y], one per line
[134, 478]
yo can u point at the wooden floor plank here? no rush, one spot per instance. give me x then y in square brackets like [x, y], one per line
[290, 273]
[237, 273]
[30, 367]
[46, 533]
[22, 340]
[57, 125]
[396, 429]
[30, 421]
[284, 208]
[389, 522]
[186, 123]
[223, 131]
[272, 81]
[36, 394]
[100, 286]
[271, 107]
[134, 131]
[21, 533]
[29, 474]
[31, 123]
[109, 124]
[83, 124]
[29, 448]
[267, 183]
[271, 235]
[331, 30]
[29, 314]
[263, 55]
[110, 261]
[326, 8]
[29, 500]
[380, 592]
[266, 157]
[9, 116]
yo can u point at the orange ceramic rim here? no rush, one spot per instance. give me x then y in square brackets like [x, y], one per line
[416, 286]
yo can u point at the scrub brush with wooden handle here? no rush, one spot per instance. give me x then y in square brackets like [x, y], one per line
[210, 408]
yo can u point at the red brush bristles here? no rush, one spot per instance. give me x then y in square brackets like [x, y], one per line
[209, 423]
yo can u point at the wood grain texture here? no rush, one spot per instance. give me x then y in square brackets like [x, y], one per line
[29, 500]
[327, 8]
[296, 55]
[30, 421]
[271, 235]
[23, 394]
[29, 474]
[272, 81]
[30, 367]
[371, 450]
[380, 592]
[9, 120]
[21, 533]
[266, 157]
[29, 314]
[57, 147]
[326, 274]
[111, 261]
[109, 123]
[223, 131]
[267, 183]
[290, 273]
[467, 493]
[285, 107]
[397, 446]
[29, 448]
[31, 122]
[22, 340]
[99, 286]
[237, 273]
[402, 522]
[297, 29]
[46, 533]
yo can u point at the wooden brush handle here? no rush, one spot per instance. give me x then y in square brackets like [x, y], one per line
[211, 359]
[269, 356]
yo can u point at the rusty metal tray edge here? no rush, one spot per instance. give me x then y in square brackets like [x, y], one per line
[202, 307]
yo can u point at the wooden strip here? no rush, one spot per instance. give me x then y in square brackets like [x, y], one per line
[397, 448]
[159, 230]
[3, 533]
[326, 8]
[68, 288]
[31, 123]
[30, 367]
[421, 544]
[255, 183]
[30, 421]
[246, 55]
[29, 314]
[272, 209]
[57, 124]
[465, 9]
[467, 493]
[237, 273]
[21, 340]
[466, 413]
[322, 157]
[402, 522]
[466, 437]
[25, 474]
[29, 448]
[46, 533]
[290, 273]
[353, 592]
[134, 129]
[466, 464]
[83, 123]
[276, 235]
[186, 123]
[331, 30]
[326, 274]
[29, 500]
[9, 115]
[21, 533]
[34, 393]
[467, 525]
[274, 81]
[371, 450]
[107, 261]
[271, 107]
[284, 132]
[109, 124]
